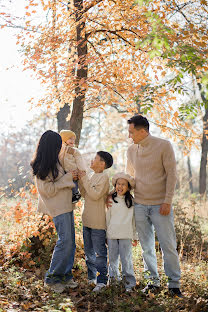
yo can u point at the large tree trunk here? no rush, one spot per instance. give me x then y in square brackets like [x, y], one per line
[203, 164]
[61, 117]
[81, 73]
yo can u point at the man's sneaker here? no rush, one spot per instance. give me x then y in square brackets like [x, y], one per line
[92, 282]
[98, 287]
[75, 198]
[57, 288]
[151, 288]
[175, 292]
[71, 284]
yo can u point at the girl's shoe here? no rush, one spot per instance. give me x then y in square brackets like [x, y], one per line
[92, 282]
[98, 287]
[71, 284]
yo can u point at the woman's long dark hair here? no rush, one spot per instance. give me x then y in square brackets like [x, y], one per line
[46, 156]
[128, 197]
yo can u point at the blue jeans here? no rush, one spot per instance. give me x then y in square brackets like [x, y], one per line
[122, 248]
[63, 255]
[147, 219]
[95, 254]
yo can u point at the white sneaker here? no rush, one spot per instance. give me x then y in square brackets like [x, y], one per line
[57, 288]
[71, 284]
[98, 287]
[129, 289]
[92, 281]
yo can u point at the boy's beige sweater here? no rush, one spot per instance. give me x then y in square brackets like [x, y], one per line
[152, 164]
[94, 189]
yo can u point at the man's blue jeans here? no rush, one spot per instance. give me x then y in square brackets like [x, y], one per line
[96, 254]
[147, 218]
[63, 255]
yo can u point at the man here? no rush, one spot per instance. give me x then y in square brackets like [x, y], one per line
[151, 161]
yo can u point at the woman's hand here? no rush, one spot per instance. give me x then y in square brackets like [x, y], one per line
[74, 174]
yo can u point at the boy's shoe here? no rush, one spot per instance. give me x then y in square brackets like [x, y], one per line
[71, 284]
[92, 282]
[151, 288]
[57, 288]
[75, 198]
[98, 287]
[175, 292]
[129, 289]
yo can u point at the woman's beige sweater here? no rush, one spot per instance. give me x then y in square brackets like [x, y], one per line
[55, 197]
[95, 190]
[152, 164]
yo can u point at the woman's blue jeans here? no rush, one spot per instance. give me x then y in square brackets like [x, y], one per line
[63, 255]
[96, 254]
[147, 219]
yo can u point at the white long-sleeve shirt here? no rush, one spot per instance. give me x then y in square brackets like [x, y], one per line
[120, 220]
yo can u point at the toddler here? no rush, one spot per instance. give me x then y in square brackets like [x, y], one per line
[71, 159]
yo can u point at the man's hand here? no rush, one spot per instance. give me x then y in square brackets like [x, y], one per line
[70, 150]
[165, 209]
[81, 173]
[109, 201]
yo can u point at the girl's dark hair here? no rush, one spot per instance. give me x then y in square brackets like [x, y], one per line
[128, 197]
[46, 156]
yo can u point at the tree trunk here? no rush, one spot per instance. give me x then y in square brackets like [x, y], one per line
[61, 117]
[203, 164]
[81, 73]
[190, 175]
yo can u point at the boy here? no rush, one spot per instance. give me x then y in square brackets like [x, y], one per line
[95, 190]
[71, 159]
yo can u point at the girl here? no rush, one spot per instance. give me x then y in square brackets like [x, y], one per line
[55, 199]
[121, 230]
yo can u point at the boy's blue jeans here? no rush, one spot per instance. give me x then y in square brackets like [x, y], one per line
[147, 218]
[96, 254]
[63, 255]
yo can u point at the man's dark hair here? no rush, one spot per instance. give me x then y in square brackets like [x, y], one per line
[107, 158]
[139, 122]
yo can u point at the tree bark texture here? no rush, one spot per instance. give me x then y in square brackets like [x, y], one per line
[81, 73]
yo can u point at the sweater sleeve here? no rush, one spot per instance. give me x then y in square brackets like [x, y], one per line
[81, 188]
[169, 164]
[108, 216]
[96, 191]
[79, 160]
[50, 188]
[129, 167]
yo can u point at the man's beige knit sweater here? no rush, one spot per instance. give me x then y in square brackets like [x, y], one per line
[94, 189]
[152, 164]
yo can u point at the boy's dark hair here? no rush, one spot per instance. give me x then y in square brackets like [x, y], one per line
[45, 160]
[139, 122]
[107, 158]
[128, 197]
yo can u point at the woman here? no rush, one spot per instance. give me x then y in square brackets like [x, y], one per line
[55, 199]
